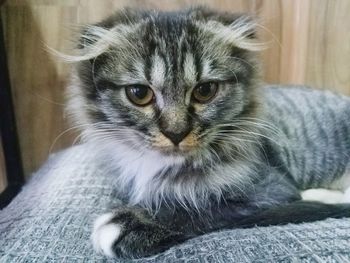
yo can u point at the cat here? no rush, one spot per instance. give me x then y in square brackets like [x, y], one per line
[174, 106]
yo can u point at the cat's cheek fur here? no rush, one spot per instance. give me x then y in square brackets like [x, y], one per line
[105, 234]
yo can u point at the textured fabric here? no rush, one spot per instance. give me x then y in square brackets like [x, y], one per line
[50, 221]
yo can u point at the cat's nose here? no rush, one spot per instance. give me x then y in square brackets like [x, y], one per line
[175, 123]
[176, 137]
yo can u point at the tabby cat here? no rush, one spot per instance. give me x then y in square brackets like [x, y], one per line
[173, 104]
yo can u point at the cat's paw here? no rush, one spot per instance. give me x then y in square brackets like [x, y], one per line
[326, 196]
[105, 234]
[346, 198]
[130, 232]
[322, 195]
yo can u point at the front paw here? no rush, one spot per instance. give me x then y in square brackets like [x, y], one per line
[131, 233]
[105, 234]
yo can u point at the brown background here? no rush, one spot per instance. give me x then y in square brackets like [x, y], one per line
[309, 42]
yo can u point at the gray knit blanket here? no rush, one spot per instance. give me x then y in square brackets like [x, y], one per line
[50, 221]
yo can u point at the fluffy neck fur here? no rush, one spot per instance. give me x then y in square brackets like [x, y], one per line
[151, 180]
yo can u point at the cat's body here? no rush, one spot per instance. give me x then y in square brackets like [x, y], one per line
[315, 146]
[173, 102]
[310, 150]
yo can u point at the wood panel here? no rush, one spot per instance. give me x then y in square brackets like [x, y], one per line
[37, 81]
[307, 39]
[328, 46]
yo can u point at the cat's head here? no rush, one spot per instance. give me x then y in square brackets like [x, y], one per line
[175, 83]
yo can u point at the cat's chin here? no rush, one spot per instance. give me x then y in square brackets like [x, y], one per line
[175, 150]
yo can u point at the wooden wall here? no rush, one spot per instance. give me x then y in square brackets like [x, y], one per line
[309, 42]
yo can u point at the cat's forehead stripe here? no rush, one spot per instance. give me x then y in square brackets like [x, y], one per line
[190, 72]
[206, 69]
[157, 71]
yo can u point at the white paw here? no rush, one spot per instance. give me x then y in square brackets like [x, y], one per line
[346, 198]
[323, 195]
[105, 233]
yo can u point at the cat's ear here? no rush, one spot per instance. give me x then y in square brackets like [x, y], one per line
[96, 40]
[236, 28]
[117, 23]
[90, 35]
[226, 19]
[113, 31]
[93, 41]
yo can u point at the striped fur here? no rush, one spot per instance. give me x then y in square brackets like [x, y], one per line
[315, 149]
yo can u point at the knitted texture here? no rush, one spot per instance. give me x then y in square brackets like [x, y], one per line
[50, 221]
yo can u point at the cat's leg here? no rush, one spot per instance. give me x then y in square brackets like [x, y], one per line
[130, 232]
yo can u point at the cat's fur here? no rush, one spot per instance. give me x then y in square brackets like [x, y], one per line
[247, 154]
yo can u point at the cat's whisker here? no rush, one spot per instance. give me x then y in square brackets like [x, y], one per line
[237, 143]
[213, 152]
[259, 128]
[253, 121]
[271, 33]
[77, 139]
[65, 132]
[260, 125]
[239, 124]
[235, 75]
[233, 139]
[242, 60]
[241, 130]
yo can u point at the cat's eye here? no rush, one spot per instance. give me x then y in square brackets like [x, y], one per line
[140, 95]
[205, 92]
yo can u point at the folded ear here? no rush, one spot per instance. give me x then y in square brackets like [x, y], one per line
[92, 33]
[225, 18]
[236, 28]
[98, 38]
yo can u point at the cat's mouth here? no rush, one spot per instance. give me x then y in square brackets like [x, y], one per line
[176, 150]
[187, 146]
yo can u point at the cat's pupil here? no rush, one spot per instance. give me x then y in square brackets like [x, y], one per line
[205, 90]
[139, 92]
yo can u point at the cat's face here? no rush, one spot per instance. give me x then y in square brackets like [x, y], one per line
[171, 83]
